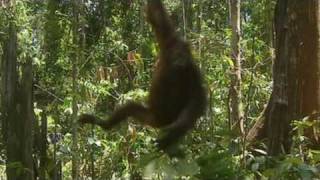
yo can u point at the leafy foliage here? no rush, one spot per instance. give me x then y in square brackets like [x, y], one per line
[108, 78]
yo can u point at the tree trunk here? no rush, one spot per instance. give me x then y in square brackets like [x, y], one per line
[296, 85]
[277, 116]
[43, 147]
[27, 118]
[78, 42]
[75, 160]
[17, 112]
[236, 116]
[304, 58]
[9, 80]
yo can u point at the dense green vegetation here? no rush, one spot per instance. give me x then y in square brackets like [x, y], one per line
[95, 55]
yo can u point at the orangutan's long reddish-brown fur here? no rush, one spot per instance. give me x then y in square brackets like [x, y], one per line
[177, 98]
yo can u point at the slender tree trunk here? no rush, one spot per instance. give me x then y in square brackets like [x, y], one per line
[236, 115]
[52, 38]
[36, 145]
[78, 41]
[75, 160]
[43, 147]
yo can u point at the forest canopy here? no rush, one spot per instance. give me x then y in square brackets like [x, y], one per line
[259, 62]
